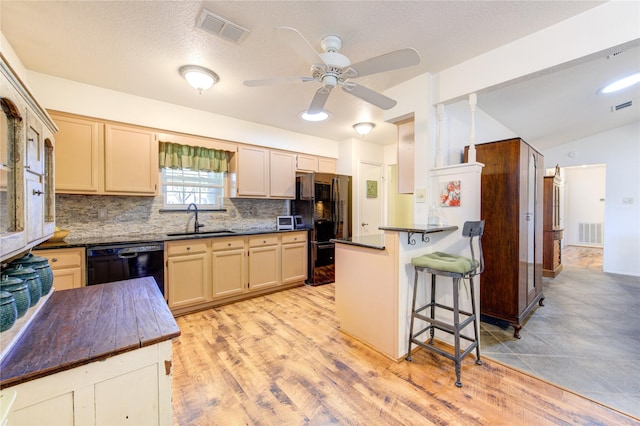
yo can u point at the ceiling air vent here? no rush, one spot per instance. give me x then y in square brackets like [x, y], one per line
[621, 106]
[221, 27]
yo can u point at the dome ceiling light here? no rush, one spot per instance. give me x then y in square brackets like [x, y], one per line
[200, 78]
[363, 128]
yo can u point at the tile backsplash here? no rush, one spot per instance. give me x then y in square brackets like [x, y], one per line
[127, 215]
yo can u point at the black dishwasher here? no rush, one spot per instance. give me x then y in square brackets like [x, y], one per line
[125, 261]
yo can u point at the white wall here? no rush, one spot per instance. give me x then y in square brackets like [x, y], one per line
[70, 96]
[584, 190]
[620, 151]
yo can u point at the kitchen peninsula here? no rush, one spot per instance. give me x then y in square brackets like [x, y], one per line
[373, 273]
[95, 355]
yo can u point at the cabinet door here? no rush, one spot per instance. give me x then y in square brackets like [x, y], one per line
[77, 156]
[327, 165]
[35, 146]
[294, 262]
[65, 279]
[228, 269]
[131, 160]
[188, 278]
[34, 207]
[264, 265]
[307, 163]
[282, 170]
[253, 171]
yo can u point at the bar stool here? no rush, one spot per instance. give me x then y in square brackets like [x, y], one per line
[458, 268]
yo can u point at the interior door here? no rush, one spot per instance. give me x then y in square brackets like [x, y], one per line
[371, 198]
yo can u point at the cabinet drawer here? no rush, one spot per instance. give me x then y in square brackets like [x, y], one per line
[294, 238]
[227, 244]
[186, 247]
[64, 258]
[265, 240]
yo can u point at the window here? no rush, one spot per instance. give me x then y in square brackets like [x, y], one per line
[181, 187]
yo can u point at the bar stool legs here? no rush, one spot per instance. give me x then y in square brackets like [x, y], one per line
[455, 329]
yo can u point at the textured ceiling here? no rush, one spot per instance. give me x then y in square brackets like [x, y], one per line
[138, 46]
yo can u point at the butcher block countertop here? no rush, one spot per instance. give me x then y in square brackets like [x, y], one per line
[89, 324]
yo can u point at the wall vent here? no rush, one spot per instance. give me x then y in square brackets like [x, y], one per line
[217, 25]
[591, 233]
[621, 106]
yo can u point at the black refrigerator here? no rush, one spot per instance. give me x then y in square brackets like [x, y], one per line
[324, 202]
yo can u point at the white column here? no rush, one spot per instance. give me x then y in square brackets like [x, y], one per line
[473, 100]
[440, 112]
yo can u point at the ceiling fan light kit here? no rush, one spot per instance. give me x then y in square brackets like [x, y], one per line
[331, 68]
[363, 128]
[200, 78]
[318, 116]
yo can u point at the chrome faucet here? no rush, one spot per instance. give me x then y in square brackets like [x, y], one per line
[196, 224]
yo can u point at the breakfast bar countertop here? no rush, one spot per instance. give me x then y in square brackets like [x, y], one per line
[79, 326]
[375, 241]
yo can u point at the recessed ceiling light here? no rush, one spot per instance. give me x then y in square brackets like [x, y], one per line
[320, 116]
[623, 83]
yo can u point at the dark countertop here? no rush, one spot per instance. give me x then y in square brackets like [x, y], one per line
[148, 238]
[79, 326]
[418, 228]
[369, 241]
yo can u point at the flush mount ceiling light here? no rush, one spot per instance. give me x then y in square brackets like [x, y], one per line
[363, 128]
[200, 78]
[623, 83]
[320, 116]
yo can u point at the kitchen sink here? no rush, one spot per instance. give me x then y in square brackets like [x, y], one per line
[201, 233]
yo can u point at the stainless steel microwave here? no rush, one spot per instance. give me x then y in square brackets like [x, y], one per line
[285, 223]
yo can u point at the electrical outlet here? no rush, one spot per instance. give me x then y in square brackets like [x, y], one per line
[627, 201]
[103, 214]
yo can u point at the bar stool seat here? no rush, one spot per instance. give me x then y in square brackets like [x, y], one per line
[458, 268]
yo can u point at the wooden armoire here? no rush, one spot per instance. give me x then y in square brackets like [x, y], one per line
[511, 205]
[551, 240]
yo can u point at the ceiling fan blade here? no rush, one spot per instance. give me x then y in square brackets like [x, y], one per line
[274, 81]
[387, 62]
[368, 95]
[318, 101]
[302, 47]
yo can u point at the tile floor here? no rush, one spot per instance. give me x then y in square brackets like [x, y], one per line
[586, 338]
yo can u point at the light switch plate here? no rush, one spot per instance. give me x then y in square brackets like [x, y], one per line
[421, 195]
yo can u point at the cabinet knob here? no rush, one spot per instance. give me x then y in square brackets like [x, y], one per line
[228, 244]
[188, 248]
[54, 259]
[34, 192]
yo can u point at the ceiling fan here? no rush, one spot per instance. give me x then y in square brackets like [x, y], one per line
[331, 68]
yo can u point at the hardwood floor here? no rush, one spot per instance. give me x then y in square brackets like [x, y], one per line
[582, 257]
[280, 359]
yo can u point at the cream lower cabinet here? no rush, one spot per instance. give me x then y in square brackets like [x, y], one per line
[264, 261]
[187, 271]
[132, 388]
[238, 267]
[294, 257]
[67, 265]
[228, 266]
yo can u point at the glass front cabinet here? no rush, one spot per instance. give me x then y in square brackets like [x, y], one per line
[27, 197]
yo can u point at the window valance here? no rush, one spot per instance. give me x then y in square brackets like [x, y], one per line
[177, 156]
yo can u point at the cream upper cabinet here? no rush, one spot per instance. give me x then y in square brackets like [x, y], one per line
[79, 142]
[327, 165]
[97, 157]
[307, 163]
[228, 266]
[282, 172]
[131, 160]
[252, 171]
[263, 173]
[294, 257]
[187, 272]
